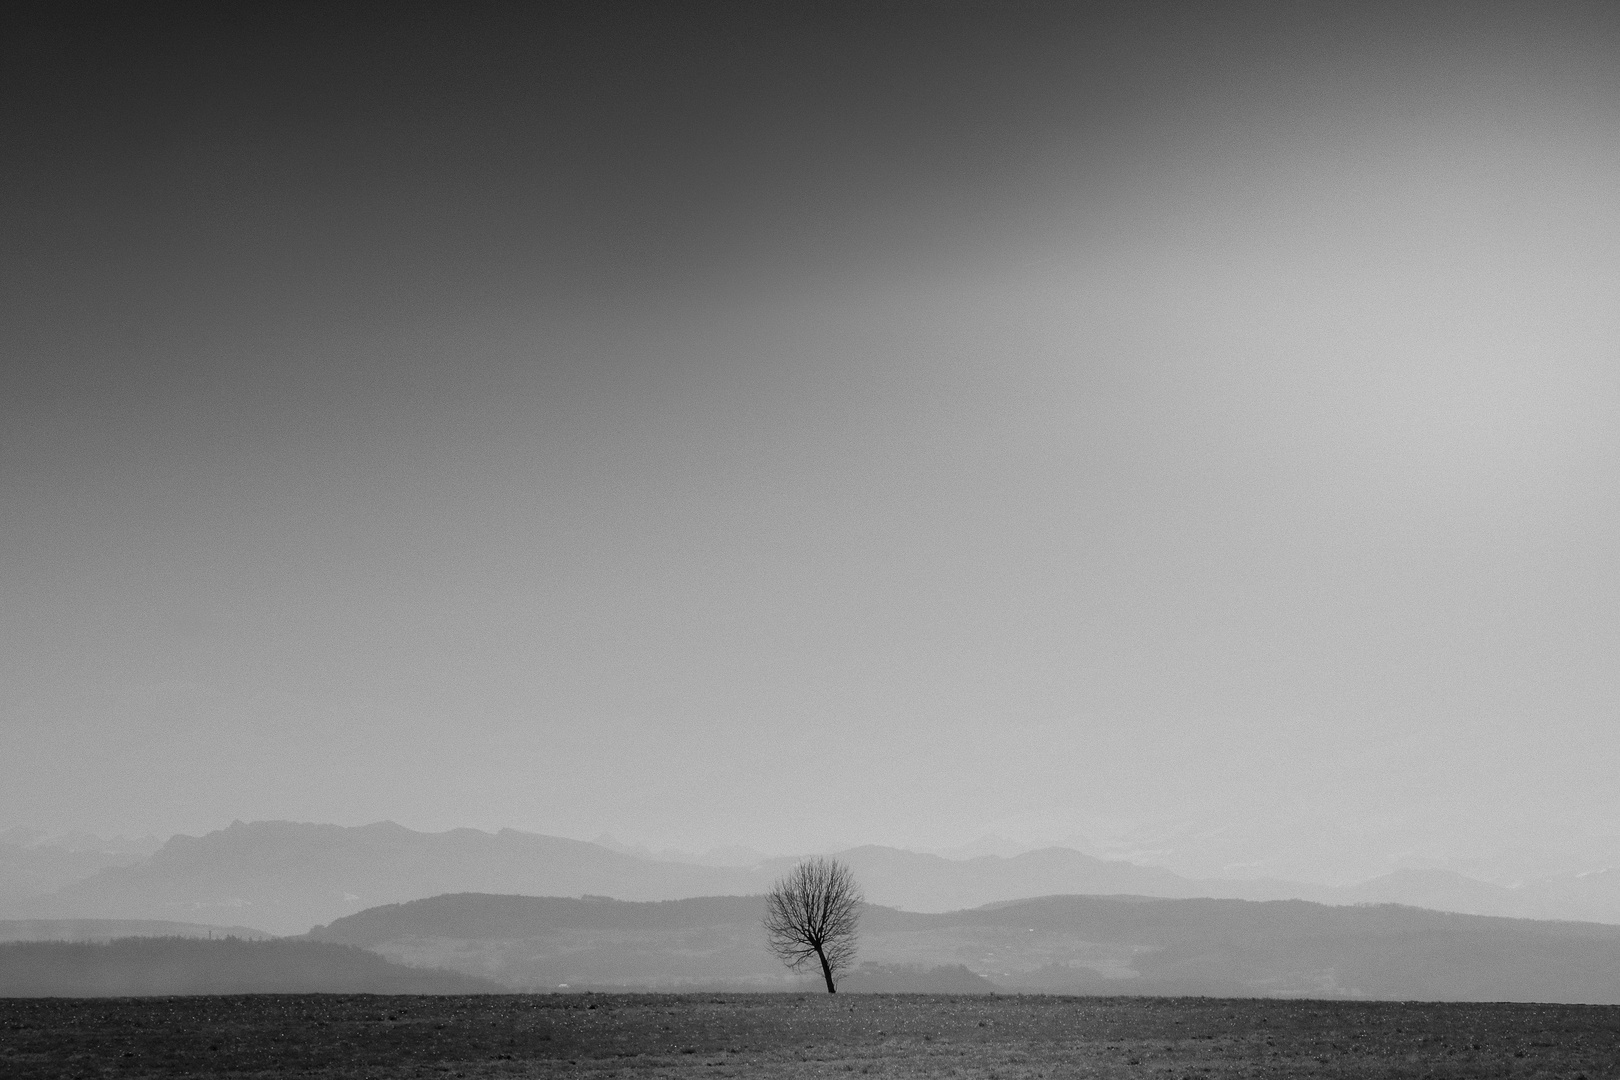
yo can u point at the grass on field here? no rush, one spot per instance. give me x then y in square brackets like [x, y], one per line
[706, 1036]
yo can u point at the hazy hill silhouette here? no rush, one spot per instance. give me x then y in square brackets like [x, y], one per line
[920, 882]
[1591, 897]
[917, 882]
[33, 864]
[542, 942]
[539, 942]
[1063, 944]
[481, 915]
[1297, 947]
[144, 966]
[286, 877]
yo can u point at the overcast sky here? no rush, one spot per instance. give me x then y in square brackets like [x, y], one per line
[819, 424]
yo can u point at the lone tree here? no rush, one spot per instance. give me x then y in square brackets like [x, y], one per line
[812, 912]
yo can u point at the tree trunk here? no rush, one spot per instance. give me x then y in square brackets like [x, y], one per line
[826, 971]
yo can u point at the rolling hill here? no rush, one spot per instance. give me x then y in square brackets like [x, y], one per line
[1058, 944]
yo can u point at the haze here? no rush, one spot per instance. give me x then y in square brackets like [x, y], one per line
[1187, 436]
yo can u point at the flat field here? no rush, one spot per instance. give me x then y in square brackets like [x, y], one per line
[597, 1036]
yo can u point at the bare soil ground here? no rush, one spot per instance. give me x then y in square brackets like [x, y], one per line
[597, 1036]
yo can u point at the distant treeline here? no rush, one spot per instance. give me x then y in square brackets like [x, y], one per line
[146, 966]
[108, 929]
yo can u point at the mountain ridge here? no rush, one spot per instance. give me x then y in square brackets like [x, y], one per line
[285, 877]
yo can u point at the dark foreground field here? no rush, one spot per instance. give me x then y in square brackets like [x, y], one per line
[704, 1035]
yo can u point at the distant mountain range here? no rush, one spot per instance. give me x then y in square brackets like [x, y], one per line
[1056, 944]
[285, 877]
[34, 863]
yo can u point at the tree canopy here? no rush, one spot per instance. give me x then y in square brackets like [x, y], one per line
[812, 913]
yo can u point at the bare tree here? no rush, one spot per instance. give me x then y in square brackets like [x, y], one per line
[812, 912]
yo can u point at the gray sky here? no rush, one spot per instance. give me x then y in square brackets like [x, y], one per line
[820, 425]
